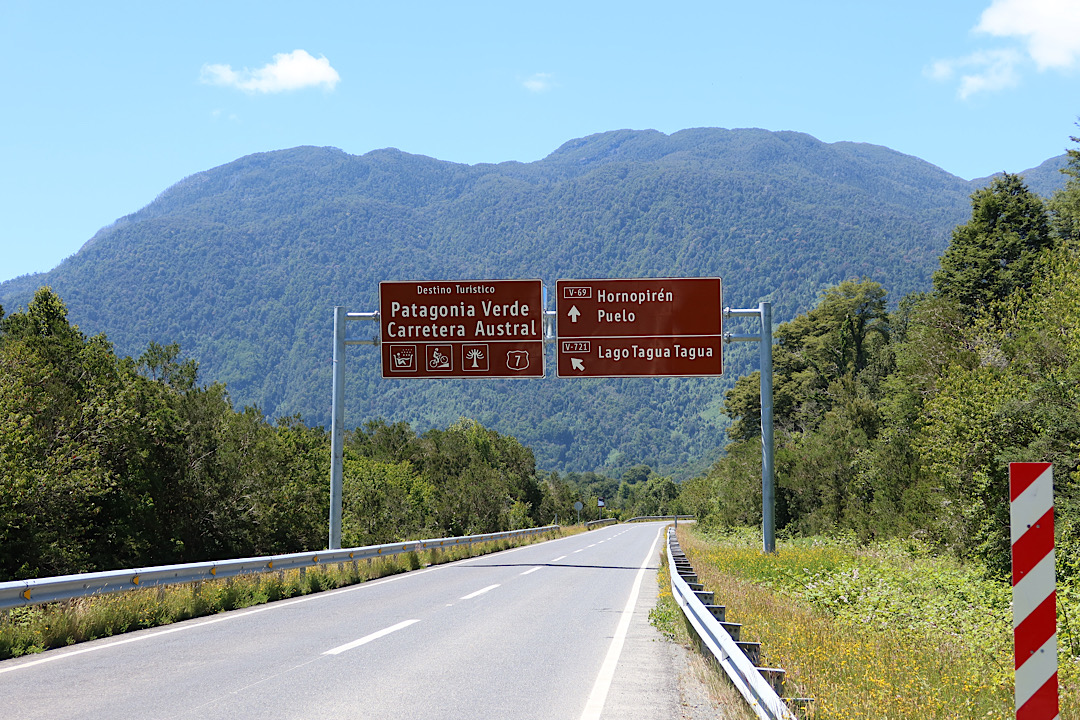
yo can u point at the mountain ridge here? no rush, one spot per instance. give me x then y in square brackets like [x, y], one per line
[241, 264]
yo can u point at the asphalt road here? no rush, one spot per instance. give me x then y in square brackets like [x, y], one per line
[553, 630]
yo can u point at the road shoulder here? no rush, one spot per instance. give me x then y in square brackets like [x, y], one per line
[656, 677]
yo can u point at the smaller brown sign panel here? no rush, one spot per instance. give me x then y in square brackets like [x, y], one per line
[639, 327]
[698, 356]
[481, 328]
[644, 307]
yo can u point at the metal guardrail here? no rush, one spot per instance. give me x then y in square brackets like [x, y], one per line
[600, 523]
[755, 689]
[17, 593]
[652, 518]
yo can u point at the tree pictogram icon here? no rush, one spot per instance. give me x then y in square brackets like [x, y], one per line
[476, 355]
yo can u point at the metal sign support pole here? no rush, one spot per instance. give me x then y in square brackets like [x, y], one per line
[337, 417]
[768, 473]
[337, 429]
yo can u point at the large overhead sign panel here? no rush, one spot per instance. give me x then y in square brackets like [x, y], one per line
[643, 327]
[482, 328]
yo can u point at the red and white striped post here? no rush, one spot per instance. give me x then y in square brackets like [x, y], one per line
[1031, 490]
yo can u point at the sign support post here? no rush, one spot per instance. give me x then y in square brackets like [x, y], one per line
[768, 473]
[337, 417]
[337, 430]
[768, 469]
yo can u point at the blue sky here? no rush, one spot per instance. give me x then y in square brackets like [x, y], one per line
[107, 104]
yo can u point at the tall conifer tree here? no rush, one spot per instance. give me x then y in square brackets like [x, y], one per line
[993, 255]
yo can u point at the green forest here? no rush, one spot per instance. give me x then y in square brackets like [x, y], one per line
[242, 265]
[895, 418]
[902, 423]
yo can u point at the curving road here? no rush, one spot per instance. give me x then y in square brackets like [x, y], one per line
[553, 630]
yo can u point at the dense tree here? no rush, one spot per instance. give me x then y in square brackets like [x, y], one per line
[1019, 402]
[994, 254]
[384, 502]
[71, 493]
[1065, 204]
[108, 461]
[905, 423]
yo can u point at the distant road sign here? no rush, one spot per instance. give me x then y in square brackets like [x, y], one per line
[453, 328]
[639, 327]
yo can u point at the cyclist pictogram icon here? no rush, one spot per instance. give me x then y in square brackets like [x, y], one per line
[439, 358]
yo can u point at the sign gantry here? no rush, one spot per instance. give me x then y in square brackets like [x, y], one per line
[654, 327]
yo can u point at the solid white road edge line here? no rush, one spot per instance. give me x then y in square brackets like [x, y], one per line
[470, 596]
[368, 638]
[595, 704]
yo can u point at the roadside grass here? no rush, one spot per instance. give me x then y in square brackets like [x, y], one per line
[880, 632]
[36, 628]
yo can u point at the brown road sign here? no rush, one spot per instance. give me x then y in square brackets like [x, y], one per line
[639, 327]
[453, 328]
[696, 356]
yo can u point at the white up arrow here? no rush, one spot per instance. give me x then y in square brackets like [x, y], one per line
[573, 313]
[577, 364]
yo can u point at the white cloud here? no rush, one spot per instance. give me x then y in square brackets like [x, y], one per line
[1049, 28]
[287, 71]
[220, 114]
[987, 70]
[539, 82]
[1048, 32]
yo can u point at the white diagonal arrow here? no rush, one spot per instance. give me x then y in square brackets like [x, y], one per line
[577, 364]
[573, 313]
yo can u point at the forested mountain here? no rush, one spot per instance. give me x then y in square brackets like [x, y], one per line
[242, 264]
[1043, 180]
